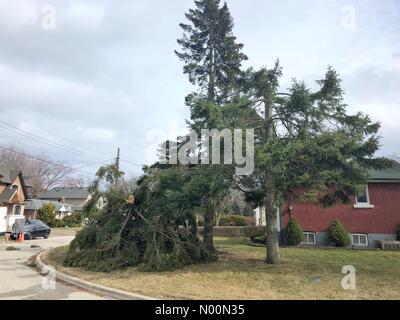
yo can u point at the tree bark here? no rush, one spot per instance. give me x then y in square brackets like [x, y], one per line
[271, 219]
[208, 237]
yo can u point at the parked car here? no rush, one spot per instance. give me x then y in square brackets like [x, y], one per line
[32, 229]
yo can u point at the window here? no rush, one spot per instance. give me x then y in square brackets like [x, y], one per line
[17, 210]
[309, 238]
[359, 240]
[362, 199]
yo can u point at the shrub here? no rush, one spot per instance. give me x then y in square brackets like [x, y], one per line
[398, 232]
[294, 234]
[233, 221]
[259, 239]
[257, 232]
[47, 213]
[73, 221]
[338, 234]
[58, 224]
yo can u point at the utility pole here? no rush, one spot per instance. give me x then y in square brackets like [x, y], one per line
[117, 165]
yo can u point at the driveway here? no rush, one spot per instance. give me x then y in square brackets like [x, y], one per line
[18, 281]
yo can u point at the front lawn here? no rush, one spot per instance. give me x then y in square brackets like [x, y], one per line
[240, 273]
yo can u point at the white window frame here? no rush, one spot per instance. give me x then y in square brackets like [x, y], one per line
[364, 205]
[359, 235]
[310, 243]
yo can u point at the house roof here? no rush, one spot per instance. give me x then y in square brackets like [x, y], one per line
[36, 204]
[65, 192]
[7, 176]
[387, 175]
[7, 193]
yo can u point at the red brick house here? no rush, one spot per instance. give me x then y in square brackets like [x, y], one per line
[371, 216]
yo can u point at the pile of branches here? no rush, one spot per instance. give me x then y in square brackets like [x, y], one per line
[155, 232]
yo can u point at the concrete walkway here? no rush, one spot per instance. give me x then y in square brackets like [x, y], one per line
[18, 281]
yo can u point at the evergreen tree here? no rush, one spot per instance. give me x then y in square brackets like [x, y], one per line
[212, 60]
[305, 139]
[293, 233]
[47, 213]
[156, 231]
[211, 55]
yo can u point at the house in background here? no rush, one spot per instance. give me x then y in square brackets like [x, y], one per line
[77, 197]
[32, 206]
[372, 215]
[13, 193]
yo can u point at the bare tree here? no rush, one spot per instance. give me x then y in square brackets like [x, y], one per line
[39, 171]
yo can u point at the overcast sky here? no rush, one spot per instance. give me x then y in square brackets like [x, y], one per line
[107, 76]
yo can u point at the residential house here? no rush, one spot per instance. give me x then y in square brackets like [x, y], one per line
[13, 193]
[32, 206]
[77, 197]
[373, 215]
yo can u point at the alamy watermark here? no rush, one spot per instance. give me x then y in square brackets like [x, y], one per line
[349, 280]
[49, 280]
[349, 21]
[48, 17]
[192, 149]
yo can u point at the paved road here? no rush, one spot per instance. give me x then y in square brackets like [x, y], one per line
[18, 281]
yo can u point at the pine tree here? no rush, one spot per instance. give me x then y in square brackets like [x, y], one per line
[212, 60]
[211, 55]
[305, 139]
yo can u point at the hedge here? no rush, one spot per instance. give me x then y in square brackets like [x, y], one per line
[247, 232]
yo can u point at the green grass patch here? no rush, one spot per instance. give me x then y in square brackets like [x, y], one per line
[240, 273]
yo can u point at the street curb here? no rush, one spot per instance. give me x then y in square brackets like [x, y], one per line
[86, 285]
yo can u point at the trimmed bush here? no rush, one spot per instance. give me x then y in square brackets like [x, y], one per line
[47, 213]
[338, 234]
[232, 221]
[247, 232]
[73, 221]
[259, 240]
[294, 234]
[59, 224]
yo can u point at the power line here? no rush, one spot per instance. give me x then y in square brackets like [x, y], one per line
[32, 126]
[133, 164]
[55, 144]
[95, 163]
[51, 132]
[46, 161]
[45, 141]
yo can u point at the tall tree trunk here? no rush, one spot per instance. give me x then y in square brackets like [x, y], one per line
[211, 78]
[271, 219]
[208, 238]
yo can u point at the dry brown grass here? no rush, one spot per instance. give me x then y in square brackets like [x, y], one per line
[241, 273]
[61, 232]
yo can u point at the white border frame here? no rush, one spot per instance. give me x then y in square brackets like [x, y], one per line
[364, 205]
[309, 243]
[359, 234]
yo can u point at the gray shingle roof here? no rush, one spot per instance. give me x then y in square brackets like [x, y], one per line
[389, 174]
[7, 173]
[7, 194]
[36, 204]
[65, 192]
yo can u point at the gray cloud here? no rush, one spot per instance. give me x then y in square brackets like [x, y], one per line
[108, 77]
